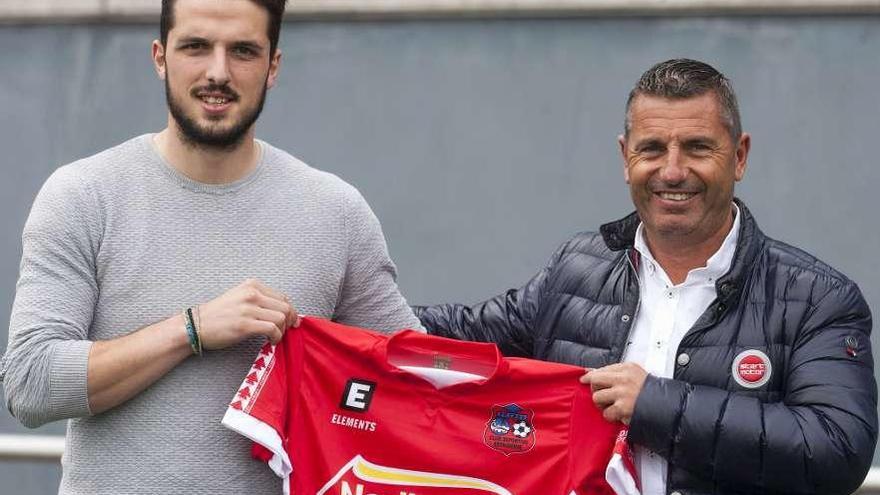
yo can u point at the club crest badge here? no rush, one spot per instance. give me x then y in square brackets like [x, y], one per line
[510, 430]
[751, 368]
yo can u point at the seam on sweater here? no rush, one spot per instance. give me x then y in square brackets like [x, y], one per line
[343, 206]
[102, 223]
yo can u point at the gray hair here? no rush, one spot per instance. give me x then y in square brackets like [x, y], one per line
[685, 78]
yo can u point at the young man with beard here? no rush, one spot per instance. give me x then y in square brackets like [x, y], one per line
[120, 321]
[742, 365]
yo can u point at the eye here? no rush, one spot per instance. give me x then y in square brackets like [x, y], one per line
[699, 147]
[651, 149]
[244, 52]
[195, 45]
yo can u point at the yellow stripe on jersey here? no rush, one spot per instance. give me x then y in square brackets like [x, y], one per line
[393, 476]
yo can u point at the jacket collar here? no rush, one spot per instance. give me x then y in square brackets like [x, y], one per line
[620, 235]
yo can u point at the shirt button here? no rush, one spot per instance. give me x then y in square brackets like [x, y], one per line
[624, 318]
[683, 359]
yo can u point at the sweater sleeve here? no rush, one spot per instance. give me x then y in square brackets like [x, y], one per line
[507, 320]
[819, 438]
[369, 296]
[45, 365]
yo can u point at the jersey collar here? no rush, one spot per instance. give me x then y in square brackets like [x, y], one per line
[409, 348]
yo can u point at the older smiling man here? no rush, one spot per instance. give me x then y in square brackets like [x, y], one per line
[742, 364]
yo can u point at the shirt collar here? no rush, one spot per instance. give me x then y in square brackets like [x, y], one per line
[716, 266]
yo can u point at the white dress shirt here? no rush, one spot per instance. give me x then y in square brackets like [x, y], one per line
[666, 312]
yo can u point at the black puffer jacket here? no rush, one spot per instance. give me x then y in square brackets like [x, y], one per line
[810, 429]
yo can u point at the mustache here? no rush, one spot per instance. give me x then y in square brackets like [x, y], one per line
[688, 185]
[222, 89]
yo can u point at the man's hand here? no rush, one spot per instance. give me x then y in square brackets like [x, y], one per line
[244, 311]
[615, 389]
[121, 368]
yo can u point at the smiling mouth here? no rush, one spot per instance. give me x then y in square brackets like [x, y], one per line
[676, 196]
[215, 100]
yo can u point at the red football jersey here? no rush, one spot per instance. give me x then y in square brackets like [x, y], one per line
[345, 411]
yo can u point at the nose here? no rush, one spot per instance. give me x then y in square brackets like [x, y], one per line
[218, 69]
[674, 169]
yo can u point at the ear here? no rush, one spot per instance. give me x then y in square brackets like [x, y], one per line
[742, 155]
[621, 141]
[159, 58]
[274, 66]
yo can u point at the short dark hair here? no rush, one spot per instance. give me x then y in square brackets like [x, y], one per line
[685, 78]
[274, 7]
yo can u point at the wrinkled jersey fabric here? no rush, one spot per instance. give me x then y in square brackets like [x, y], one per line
[338, 410]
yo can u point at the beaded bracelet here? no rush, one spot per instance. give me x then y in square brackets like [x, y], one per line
[198, 328]
[192, 333]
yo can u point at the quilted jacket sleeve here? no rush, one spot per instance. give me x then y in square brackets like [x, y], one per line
[819, 438]
[506, 320]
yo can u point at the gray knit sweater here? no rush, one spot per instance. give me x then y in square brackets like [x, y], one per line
[121, 240]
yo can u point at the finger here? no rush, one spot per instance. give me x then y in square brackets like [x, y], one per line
[611, 414]
[600, 379]
[293, 319]
[604, 398]
[264, 328]
[276, 336]
[283, 304]
[628, 369]
[273, 304]
[584, 378]
[268, 291]
[615, 368]
[277, 318]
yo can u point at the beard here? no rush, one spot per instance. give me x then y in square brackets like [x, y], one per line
[210, 137]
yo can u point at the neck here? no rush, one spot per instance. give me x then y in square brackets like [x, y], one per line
[680, 255]
[207, 165]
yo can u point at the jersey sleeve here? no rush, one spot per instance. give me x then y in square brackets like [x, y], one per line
[260, 408]
[601, 460]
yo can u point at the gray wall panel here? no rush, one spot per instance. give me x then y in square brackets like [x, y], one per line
[482, 145]
[29, 478]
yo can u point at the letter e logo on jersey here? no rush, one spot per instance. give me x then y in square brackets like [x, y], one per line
[357, 395]
[751, 368]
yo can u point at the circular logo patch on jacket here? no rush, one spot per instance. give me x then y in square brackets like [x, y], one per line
[751, 368]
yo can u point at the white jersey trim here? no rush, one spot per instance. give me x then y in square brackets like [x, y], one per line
[441, 378]
[619, 477]
[264, 435]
